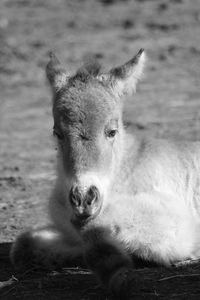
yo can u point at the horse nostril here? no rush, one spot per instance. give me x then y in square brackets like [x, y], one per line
[92, 195]
[75, 196]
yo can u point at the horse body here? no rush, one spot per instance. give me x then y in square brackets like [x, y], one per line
[118, 196]
[160, 199]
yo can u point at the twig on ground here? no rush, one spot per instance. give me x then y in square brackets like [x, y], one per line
[178, 276]
[186, 262]
[8, 282]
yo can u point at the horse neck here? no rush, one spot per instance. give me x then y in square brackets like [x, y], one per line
[126, 160]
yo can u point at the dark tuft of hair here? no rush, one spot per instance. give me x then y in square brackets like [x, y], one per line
[89, 70]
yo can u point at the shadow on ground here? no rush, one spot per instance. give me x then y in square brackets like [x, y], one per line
[178, 282]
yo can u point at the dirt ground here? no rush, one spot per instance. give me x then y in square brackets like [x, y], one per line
[167, 103]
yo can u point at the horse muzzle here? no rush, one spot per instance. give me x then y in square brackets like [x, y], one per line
[85, 205]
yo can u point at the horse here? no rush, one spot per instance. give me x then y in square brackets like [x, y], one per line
[119, 197]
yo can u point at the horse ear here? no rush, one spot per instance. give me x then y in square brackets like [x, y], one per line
[123, 79]
[56, 75]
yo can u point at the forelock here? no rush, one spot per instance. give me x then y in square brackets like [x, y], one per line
[88, 71]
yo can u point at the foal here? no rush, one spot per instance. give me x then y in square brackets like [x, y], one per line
[118, 196]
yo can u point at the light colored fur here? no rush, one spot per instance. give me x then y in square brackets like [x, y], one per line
[154, 199]
[150, 189]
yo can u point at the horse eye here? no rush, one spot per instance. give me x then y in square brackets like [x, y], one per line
[58, 135]
[111, 133]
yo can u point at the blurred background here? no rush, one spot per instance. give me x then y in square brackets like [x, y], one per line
[167, 103]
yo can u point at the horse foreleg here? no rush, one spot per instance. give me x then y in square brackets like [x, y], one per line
[46, 247]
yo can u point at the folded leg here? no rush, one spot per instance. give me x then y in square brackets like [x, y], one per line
[46, 247]
[112, 264]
